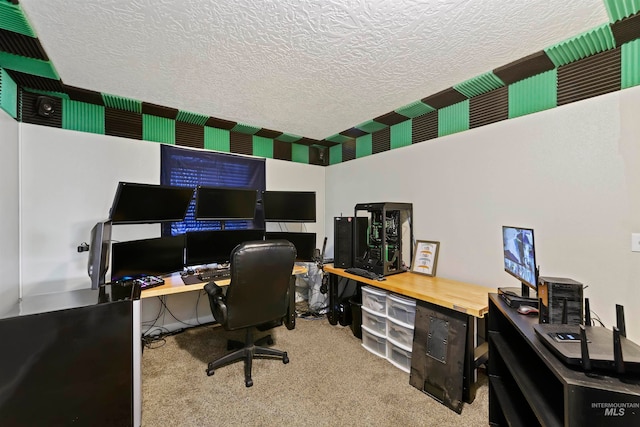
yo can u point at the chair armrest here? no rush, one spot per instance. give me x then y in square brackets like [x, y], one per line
[213, 290]
[216, 302]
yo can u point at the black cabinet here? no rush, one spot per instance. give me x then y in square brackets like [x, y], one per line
[528, 385]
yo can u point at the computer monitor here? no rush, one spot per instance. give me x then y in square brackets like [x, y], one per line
[99, 246]
[149, 203]
[225, 203]
[289, 206]
[214, 247]
[305, 243]
[520, 256]
[151, 257]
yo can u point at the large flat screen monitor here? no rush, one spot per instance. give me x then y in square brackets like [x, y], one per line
[305, 243]
[225, 203]
[153, 257]
[520, 256]
[214, 247]
[149, 203]
[289, 206]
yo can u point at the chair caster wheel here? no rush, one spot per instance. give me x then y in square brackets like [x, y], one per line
[209, 372]
[248, 382]
[270, 341]
[285, 359]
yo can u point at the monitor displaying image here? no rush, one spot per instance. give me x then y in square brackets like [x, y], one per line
[520, 255]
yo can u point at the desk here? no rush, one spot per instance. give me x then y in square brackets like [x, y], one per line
[450, 297]
[173, 284]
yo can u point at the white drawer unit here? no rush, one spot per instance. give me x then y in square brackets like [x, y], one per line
[401, 309]
[374, 322]
[400, 334]
[398, 356]
[374, 299]
[374, 343]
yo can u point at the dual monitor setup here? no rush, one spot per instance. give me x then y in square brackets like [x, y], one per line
[136, 203]
[564, 319]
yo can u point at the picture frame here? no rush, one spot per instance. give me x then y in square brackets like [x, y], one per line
[425, 257]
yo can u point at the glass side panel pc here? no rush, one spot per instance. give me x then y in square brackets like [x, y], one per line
[225, 203]
[214, 247]
[305, 243]
[289, 206]
[149, 203]
[520, 256]
[151, 257]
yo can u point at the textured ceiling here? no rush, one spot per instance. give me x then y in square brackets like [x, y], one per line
[312, 68]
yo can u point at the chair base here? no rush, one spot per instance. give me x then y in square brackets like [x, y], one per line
[248, 351]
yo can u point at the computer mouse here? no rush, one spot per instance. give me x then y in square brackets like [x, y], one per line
[527, 309]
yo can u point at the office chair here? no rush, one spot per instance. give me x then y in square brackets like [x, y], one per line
[258, 295]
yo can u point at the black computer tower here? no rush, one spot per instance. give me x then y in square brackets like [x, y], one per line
[389, 237]
[343, 230]
[560, 300]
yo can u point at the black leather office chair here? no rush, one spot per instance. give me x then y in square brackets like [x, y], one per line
[257, 295]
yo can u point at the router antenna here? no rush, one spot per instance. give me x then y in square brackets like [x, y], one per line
[587, 312]
[617, 351]
[620, 320]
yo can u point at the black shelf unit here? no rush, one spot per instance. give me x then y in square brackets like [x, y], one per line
[386, 245]
[528, 385]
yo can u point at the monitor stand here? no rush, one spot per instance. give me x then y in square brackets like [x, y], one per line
[515, 297]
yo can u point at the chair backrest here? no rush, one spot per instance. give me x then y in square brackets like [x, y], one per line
[260, 276]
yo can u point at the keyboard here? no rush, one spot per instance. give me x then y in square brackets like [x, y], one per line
[214, 274]
[363, 273]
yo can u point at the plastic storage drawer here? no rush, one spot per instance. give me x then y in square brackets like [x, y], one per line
[374, 322]
[400, 334]
[374, 343]
[401, 309]
[399, 357]
[374, 299]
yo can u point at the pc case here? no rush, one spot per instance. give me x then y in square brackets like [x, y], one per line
[344, 244]
[389, 237]
[560, 300]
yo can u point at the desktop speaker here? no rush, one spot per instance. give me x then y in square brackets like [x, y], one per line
[343, 229]
[560, 300]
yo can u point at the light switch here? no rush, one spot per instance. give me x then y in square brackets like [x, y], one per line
[635, 242]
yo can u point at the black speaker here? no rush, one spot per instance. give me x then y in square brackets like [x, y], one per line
[343, 228]
[560, 300]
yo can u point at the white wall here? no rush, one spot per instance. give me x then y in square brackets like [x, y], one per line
[68, 180]
[571, 173]
[9, 212]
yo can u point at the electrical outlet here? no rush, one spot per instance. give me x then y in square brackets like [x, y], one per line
[635, 242]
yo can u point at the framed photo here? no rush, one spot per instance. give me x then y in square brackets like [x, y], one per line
[425, 257]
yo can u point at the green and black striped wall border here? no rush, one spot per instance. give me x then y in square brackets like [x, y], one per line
[599, 61]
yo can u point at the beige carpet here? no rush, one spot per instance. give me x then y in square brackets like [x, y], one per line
[331, 380]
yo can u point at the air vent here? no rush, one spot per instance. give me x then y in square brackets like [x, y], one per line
[242, 143]
[281, 150]
[424, 127]
[122, 123]
[381, 141]
[489, 108]
[593, 76]
[189, 135]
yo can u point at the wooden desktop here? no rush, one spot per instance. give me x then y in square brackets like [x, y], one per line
[451, 298]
